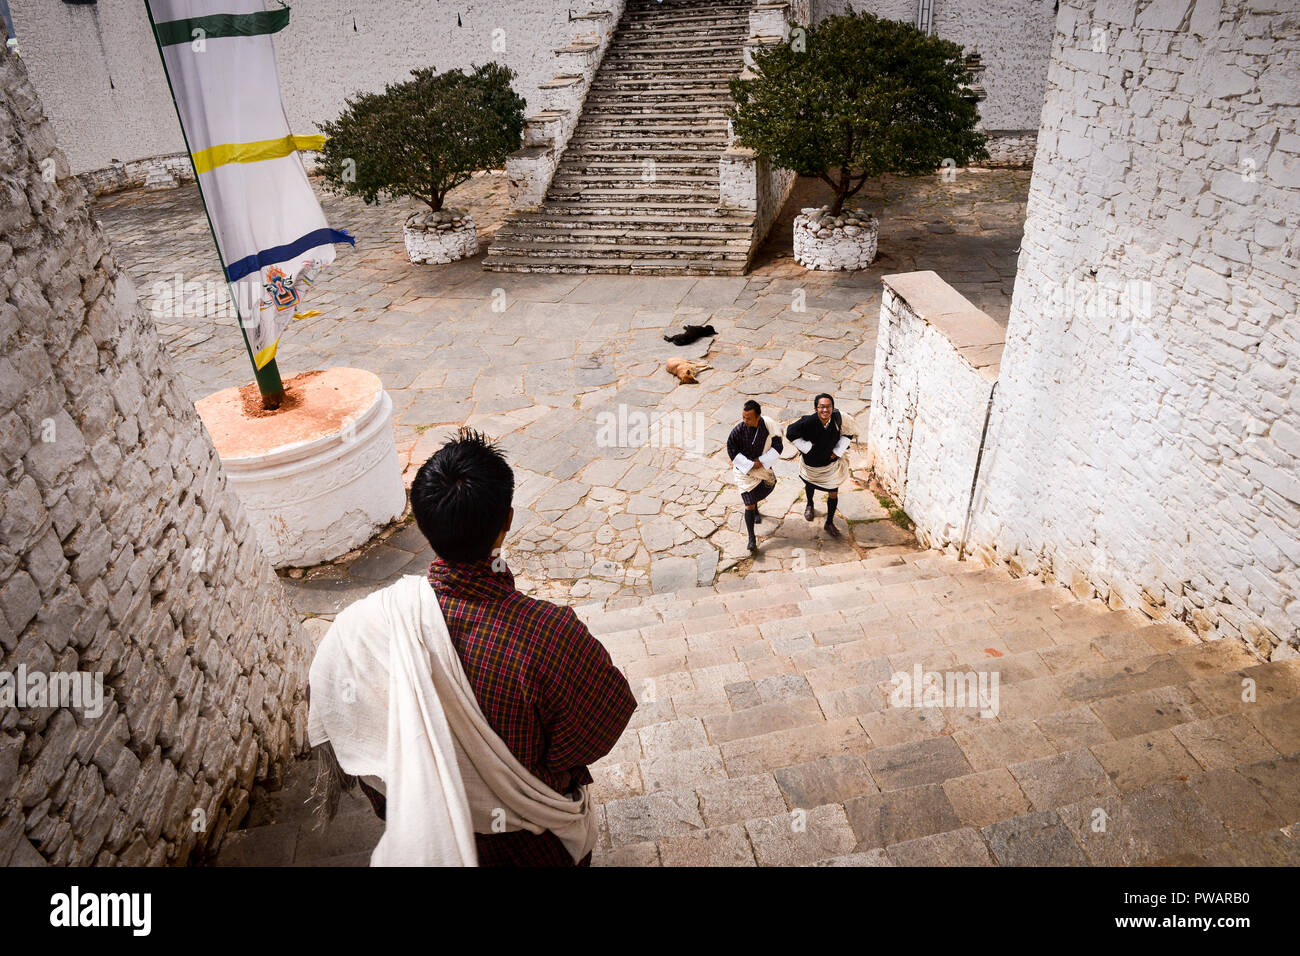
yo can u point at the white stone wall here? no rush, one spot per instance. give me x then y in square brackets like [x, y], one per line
[936, 361]
[1013, 37]
[1147, 443]
[123, 555]
[97, 69]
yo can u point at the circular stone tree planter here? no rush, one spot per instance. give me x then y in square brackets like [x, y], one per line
[835, 243]
[444, 236]
[319, 476]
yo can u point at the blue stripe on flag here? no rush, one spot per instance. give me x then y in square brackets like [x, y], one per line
[319, 237]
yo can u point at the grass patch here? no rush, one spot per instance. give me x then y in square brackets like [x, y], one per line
[896, 514]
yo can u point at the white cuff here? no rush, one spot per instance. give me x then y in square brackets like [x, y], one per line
[803, 444]
[742, 464]
[842, 445]
[769, 458]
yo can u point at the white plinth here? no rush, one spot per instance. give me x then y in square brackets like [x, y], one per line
[319, 477]
[440, 237]
[832, 244]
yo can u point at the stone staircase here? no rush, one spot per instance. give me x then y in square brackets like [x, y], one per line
[636, 189]
[766, 735]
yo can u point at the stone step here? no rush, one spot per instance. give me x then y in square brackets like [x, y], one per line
[651, 125]
[675, 85]
[638, 266]
[636, 192]
[682, 65]
[702, 26]
[595, 142]
[704, 182]
[518, 235]
[652, 104]
[631, 257]
[632, 167]
[656, 211]
[577, 221]
[618, 247]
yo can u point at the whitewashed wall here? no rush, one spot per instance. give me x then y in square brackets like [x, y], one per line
[936, 361]
[1014, 39]
[97, 70]
[1147, 440]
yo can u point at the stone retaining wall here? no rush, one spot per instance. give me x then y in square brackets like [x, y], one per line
[123, 556]
[1013, 149]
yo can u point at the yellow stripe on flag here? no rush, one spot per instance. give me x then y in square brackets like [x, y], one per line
[264, 356]
[214, 156]
[310, 314]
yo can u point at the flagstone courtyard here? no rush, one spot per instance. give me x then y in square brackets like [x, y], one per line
[542, 361]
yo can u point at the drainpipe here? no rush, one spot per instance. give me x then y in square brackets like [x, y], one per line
[974, 479]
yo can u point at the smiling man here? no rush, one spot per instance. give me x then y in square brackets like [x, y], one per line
[822, 439]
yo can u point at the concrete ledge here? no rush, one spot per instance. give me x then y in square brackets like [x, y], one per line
[973, 335]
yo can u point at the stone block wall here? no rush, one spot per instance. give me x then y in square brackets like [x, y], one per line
[123, 556]
[1012, 149]
[1146, 443]
[936, 361]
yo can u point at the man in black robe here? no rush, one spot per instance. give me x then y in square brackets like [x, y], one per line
[822, 439]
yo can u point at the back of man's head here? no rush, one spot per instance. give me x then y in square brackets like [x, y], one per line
[461, 497]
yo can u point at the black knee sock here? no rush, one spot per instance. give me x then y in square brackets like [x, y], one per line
[810, 491]
[749, 522]
[830, 508]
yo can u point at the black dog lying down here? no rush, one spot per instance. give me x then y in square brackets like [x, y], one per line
[693, 333]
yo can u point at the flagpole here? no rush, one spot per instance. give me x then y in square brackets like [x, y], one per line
[268, 376]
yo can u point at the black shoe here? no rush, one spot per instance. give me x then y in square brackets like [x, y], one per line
[831, 530]
[808, 513]
[753, 545]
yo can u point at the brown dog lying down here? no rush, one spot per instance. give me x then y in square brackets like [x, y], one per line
[686, 369]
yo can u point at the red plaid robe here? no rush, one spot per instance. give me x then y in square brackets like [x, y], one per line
[546, 686]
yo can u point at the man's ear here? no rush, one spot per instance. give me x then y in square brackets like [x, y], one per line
[510, 519]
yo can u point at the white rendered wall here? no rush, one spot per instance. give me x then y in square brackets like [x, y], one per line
[1147, 438]
[97, 70]
[1014, 39]
[936, 361]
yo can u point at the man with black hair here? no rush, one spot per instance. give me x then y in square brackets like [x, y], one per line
[753, 447]
[499, 701]
[822, 439]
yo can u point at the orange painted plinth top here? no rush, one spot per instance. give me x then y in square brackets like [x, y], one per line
[316, 405]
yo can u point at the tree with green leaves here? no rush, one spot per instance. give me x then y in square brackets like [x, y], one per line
[855, 97]
[424, 137]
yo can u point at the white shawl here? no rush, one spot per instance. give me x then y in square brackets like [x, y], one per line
[748, 478]
[390, 694]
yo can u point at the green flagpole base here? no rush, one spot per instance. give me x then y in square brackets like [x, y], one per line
[269, 384]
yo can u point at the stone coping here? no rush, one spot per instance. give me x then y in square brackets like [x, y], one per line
[974, 336]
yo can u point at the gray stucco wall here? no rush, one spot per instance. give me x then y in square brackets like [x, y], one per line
[1013, 37]
[96, 67]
